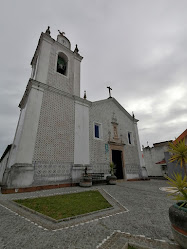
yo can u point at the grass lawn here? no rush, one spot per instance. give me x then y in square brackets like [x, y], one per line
[67, 205]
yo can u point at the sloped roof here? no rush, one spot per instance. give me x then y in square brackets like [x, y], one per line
[162, 143]
[118, 105]
[181, 137]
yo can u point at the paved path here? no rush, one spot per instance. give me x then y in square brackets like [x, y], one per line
[148, 215]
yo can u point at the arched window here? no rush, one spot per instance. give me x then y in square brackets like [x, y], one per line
[62, 64]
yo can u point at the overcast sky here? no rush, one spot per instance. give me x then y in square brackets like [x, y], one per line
[138, 47]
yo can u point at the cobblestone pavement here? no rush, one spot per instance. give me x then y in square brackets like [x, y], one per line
[148, 215]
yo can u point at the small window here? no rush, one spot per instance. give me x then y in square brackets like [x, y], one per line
[130, 137]
[62, 64]
[164, 167]
[97, 131]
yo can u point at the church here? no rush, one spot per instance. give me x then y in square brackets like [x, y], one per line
[59, 133]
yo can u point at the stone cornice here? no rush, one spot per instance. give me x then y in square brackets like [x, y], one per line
[42, 86]
[116, 143]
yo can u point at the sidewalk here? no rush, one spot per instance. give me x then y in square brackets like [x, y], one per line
[147, 216]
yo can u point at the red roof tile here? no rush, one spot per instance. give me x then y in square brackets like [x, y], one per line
[183, 135]
[161, 162]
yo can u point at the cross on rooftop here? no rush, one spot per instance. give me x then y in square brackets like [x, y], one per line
[109, 88]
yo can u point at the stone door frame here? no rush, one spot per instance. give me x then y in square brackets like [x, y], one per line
[119, 147]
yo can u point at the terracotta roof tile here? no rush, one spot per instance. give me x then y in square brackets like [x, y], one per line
[161, 162]
[182, 136]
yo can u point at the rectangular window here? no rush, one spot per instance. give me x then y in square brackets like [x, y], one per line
[130, 137]
[96, 130]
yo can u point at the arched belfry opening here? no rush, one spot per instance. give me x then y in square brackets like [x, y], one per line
[62, 63]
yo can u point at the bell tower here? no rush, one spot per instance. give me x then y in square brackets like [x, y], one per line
[46, 126]
[55, 64]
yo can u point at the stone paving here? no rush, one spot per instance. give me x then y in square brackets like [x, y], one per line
[147, 215]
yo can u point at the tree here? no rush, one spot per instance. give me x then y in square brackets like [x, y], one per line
[179, 154]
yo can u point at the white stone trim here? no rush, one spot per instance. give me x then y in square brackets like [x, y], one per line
[81, 140]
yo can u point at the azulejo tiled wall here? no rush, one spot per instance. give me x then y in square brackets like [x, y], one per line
[55, 136]
[53, 171]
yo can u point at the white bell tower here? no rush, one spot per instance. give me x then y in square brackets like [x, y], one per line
[55, 70]
[55, 64]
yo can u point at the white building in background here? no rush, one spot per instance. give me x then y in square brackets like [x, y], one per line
[59, 133]
[154, 158]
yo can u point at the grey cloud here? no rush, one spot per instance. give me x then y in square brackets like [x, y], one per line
[136, 47]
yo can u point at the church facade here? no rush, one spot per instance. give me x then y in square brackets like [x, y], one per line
[59, 133]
